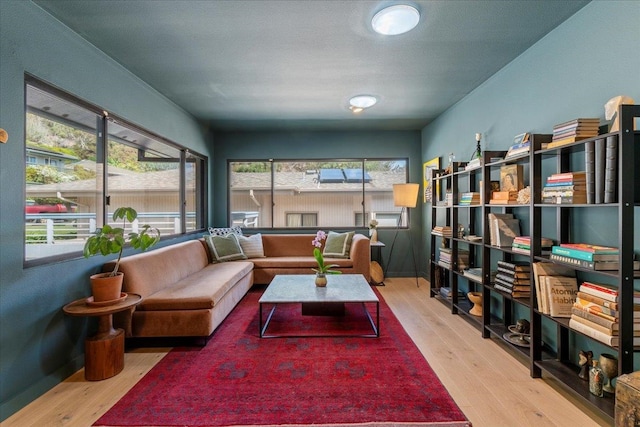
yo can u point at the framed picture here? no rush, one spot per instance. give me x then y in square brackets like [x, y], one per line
[427, 175]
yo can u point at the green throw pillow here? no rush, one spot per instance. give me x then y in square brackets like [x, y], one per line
[225, 248]
[338, 245]
[252, 245]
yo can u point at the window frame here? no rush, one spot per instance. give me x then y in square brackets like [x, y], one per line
[365, 209]
[201, 177]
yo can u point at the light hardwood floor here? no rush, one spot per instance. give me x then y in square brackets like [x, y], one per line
[489, 382]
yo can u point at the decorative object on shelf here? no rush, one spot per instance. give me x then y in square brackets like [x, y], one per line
[519, 334]
[476, 299]
[427, 179]
[511, 178]
[596, 379]
[323, 269]
[611, 110]
[405, 196]
[584, 361]
[524, 196]
[449, 168]
[609, 365]
[111, 240]
[478, 153]
[373, 230]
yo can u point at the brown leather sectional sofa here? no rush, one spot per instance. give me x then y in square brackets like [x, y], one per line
[185, 295]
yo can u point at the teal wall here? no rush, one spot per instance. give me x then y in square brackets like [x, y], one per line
[39, 346]
[322, 145]
[572, 72]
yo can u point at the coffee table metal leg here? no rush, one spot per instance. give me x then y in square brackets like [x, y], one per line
[263, 329]
[376, 325]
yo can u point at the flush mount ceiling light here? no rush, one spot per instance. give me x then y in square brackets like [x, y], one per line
[360, 102]
[396, 19]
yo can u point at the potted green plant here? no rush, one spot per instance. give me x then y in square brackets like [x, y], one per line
[112, 240]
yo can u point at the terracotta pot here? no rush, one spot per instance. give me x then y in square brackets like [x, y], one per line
[105, 287]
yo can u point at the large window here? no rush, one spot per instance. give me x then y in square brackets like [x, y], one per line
[312, 193]
[81, 164]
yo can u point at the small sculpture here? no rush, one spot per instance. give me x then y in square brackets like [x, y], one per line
[584, 360]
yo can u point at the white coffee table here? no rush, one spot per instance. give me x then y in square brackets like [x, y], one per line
[300, 288]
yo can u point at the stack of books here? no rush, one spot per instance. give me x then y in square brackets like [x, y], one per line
[522, 245]
[475, 274]
[445, 292]
[556, 288]
[513, 278]
[566, 187]
[574, 130]
[473, 164]
[445, 257]
[584, 255]
[504, 198]
[503, 229]
[470, 198]
[448, 200]
[596, 313]
[442, 230]
[521, 145]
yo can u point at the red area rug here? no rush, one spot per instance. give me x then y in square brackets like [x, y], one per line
[240, 379]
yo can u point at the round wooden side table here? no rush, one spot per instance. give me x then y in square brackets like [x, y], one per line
[104, 352]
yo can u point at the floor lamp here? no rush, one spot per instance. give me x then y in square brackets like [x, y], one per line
[405, 196]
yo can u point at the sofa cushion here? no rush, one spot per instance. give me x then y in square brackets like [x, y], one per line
[297, 262]
[225, 248]
[201, 290]
[225, 230]
[338, 244]
[252, 245]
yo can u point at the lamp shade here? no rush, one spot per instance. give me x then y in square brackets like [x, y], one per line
[405, 195]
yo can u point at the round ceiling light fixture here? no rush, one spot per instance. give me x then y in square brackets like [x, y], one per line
[358, 103]
[396, 19]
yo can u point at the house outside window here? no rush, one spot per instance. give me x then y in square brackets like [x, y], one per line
[334, 193]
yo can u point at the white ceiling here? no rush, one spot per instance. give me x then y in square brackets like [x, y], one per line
[295, 63]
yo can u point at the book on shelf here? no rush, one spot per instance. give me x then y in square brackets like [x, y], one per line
[561, 292]
[519, 275]
[592, 265]
[611, 340]
[504, 198]
[596, 249]
[613, 330]
[570, 177]
[606, 292]
[474, 164]
[600, 155]
[515, 265]
[612, 324]
[470, 198]
[506, 230]
[610, 168]
[602, 311]
[508, 278]
[491, 217]
[584, 255]
[584, 121]
[518, 149]
[565, 200]
[600, 301]
[511, 177]
[445, 292]
[474, 273]
[589, 163]
[541, 269]
[568, 140]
